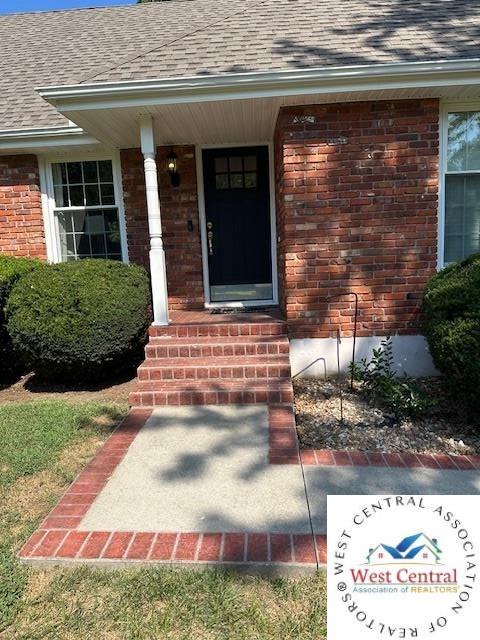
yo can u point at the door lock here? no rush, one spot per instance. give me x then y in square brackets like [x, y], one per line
[210, 238]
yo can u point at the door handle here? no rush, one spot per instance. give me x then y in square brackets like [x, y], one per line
[210, 238]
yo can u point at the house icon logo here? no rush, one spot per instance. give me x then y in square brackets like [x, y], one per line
[417, 548]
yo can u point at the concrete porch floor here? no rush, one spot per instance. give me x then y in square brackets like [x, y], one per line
[184, 484]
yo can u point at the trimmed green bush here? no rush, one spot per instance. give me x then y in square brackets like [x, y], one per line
[11, 269]
[80, 321]
[452, 327]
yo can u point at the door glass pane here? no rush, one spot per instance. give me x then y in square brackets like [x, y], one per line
[235, 163]
[462, 216]
[221, 165]
[250, 180]
[221, 181]
[250, 163]
[463, 148]
[236, 180]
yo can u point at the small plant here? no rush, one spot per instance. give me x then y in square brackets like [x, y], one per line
[403, 396]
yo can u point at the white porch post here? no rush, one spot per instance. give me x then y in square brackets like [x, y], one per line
[158, 272]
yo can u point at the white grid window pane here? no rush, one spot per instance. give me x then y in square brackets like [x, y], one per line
[463, 148]
[86, 210]
[462, 216]
[462, 186]
[90, 234]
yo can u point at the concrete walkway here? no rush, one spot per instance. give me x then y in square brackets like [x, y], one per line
[205, 468]
[202, 468]
[213, 485]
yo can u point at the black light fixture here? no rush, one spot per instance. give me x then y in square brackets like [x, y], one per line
[172, 168]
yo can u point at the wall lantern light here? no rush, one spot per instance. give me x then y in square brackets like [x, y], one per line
[172, 168]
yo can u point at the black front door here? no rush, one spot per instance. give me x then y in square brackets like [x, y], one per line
[237, 206]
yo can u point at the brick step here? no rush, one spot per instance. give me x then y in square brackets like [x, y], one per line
[219, 346]
[236, 367]
[207, 392]
[222, 328]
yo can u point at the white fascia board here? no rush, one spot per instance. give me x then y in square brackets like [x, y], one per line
[262, 84]
[40, 137]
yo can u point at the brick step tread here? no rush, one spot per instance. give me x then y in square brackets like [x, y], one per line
[271, 394]
[231, 362]
[277, 372]
[221, 329]
[211, 385]
[167, 340]
[216, 351]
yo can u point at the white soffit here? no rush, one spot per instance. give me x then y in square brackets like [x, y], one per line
[229, 121]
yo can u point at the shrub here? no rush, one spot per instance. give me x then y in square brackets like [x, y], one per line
[452, 328]
[80, 321]
[401, 395]
[11, 269]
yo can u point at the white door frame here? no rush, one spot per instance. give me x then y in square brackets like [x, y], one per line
[203, 225]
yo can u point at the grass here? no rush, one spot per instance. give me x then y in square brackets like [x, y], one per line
[44, 444]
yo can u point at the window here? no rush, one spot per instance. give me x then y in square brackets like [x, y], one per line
[236, 172]
[462, 186]
[86, 210]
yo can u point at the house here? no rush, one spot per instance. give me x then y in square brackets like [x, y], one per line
[279, 154]
[423, 554]
[417, 547]
[382, 554]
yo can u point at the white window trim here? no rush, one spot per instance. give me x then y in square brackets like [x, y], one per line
[447, 107]
[52, 236]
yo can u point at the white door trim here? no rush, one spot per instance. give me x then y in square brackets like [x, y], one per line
[203, 222]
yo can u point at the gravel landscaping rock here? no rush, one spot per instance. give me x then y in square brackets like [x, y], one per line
[371, 428]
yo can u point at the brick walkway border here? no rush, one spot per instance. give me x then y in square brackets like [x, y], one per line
[58, 537]
[284, 450]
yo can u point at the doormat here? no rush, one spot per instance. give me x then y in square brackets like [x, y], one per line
[237, 310]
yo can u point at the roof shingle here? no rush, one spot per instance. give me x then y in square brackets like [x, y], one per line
[194, 37]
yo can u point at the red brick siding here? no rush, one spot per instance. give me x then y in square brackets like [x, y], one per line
[357, 187]
[21, 222]
[178, 206]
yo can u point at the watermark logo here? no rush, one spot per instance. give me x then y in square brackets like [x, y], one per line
[402, 566]
[418, 547]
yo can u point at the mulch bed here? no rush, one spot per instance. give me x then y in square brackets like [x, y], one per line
[29, 388]
[372, 428]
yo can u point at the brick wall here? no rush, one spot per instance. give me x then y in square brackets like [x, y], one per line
[178, 206]
[357, 187]
[21, 221]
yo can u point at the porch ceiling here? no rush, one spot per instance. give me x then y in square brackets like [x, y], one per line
[212, 122]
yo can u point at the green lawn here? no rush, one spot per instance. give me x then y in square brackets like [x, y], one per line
[43, 446]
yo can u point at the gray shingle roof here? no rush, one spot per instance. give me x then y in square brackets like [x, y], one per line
[192, 37]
